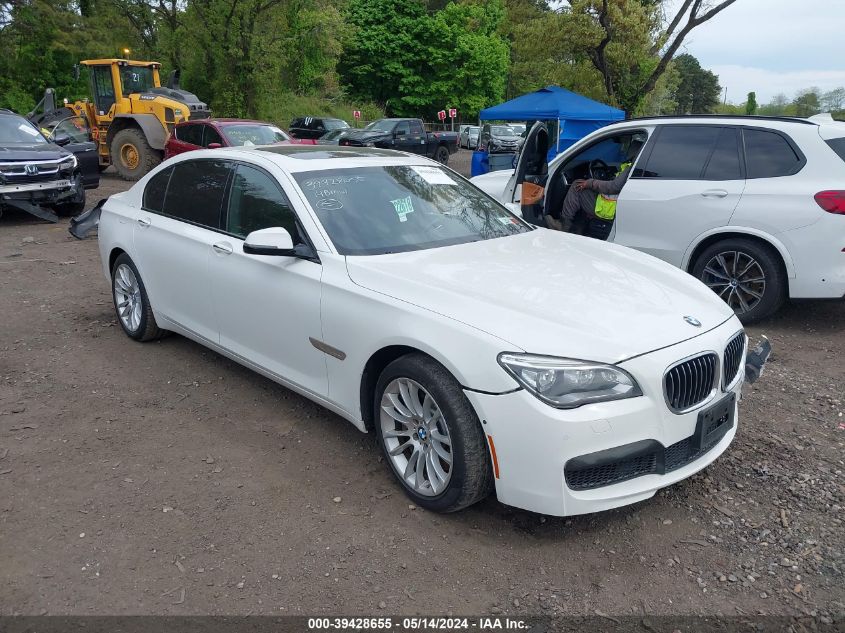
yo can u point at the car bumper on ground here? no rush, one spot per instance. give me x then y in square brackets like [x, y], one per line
[552, 461]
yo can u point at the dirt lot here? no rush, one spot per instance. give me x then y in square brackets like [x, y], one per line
[161, 478]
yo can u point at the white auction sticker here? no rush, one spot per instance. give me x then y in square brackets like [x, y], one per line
[433, 175]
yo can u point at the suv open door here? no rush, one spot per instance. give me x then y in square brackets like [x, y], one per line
[527, 185]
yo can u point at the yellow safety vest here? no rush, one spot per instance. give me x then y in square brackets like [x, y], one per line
[606, 205]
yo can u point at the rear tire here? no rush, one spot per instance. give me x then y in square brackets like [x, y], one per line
[438, 425]
[131, 303]
[442, 155]
[132, 155]
[748, 275]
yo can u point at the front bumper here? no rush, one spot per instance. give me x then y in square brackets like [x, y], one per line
[39, 190]
[534, 442]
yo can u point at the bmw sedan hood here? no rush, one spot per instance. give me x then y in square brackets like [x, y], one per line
[551, 293]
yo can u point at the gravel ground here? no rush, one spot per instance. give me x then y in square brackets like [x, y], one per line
[164, 479]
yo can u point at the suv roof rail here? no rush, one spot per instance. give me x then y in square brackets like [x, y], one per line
[754, 117]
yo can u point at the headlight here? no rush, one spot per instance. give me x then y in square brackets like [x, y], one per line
[565, 383]
[68, 163]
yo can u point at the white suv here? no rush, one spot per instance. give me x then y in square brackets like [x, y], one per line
[752, 206]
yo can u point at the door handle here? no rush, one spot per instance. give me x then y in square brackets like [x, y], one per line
[714, 193]
[223, 248]
[144, 222]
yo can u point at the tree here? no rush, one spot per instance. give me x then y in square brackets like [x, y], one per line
[631, 73]
[834, 100]
[415, 62]
[807, 102]
[751, 103]
[698, 89]
[778, 106]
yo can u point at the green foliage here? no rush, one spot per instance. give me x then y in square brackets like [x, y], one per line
[417, 62]
[698, 89]
[280, 108]
[807, 102]
[751, 103]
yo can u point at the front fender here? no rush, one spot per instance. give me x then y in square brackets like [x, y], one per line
[150, 125]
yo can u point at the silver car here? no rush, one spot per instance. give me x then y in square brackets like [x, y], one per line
[469, 136]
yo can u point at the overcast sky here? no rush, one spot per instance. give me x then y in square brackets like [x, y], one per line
[773, 46]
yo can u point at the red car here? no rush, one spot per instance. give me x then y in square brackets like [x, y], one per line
[212, 133]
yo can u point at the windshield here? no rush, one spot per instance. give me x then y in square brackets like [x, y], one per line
[15, 130]
[257, 134]
[382, 125]
[330, 136]
[502, 130]
[394, 209]
[335, 124]
[73, 127]
[136, 79]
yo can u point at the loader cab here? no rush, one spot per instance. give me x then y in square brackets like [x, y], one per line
[115, 79]
[102, 89]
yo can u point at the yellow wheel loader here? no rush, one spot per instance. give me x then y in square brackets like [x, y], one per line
[130, 113]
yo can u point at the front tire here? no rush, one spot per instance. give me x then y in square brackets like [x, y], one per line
[131, 303]
[431, 436]
[749, 276]
[132, 155]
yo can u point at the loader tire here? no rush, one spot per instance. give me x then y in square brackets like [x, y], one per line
[132, 155]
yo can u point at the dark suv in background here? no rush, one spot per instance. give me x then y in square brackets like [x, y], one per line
[314, 127]
[45, 177]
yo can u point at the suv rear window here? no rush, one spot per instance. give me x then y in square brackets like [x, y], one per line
[768, 154]
[838, 146]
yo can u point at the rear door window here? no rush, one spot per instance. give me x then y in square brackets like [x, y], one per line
[195, 192]
[190, 134]
[210, 135]
[769, 154]
[416, 128]
[725, 162]
[681, 152]
[155, 190]
[257, 202]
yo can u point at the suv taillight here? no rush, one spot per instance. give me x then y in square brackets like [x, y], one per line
[831, 201]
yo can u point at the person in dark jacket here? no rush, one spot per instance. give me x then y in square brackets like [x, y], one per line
[596, 199]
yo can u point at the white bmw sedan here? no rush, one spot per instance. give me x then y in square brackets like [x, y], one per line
[567, 374]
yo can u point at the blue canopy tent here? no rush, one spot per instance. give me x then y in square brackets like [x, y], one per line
[576, 115]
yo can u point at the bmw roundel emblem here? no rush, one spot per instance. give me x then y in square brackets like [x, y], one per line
[692, 321]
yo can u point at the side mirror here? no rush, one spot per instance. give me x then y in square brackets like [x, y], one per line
[399, 133]
[214, 146]
[61, 139]
[275, 241]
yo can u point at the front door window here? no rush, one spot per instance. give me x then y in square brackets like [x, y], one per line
[102, 88]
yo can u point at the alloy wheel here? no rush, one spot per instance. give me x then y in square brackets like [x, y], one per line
[737, 278]
[416, 437]
[127, 297]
